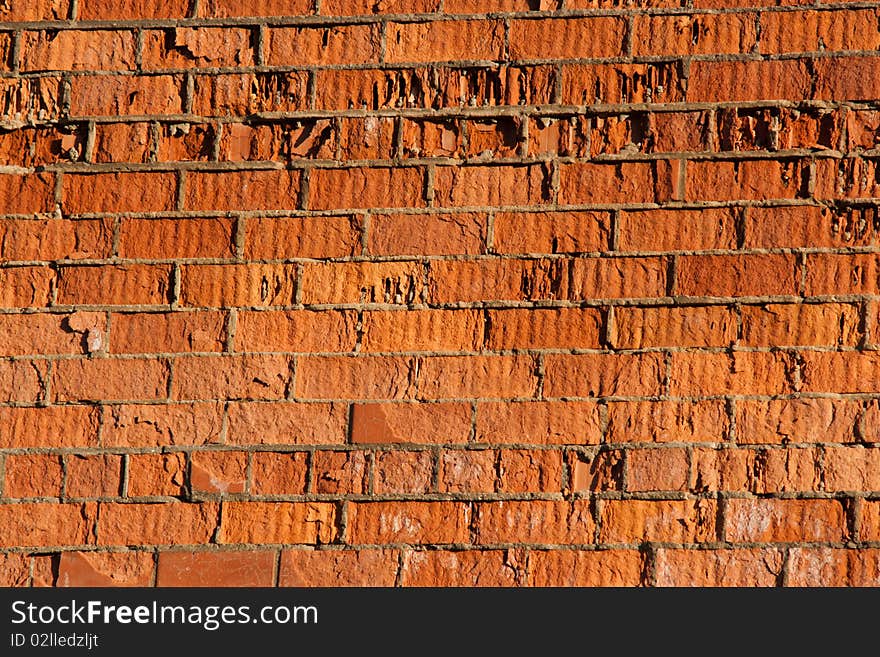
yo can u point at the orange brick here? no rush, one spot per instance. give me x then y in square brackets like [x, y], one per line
[745, 179]
[869, 526]
[256, 423]
[819, 30]
[47, 426]
[734, 373]
[444, 41]
[602, 183]
[238, 285]
[595, 473]
[431, 138]
[844, 372]
[467, 471]
[148, 425]
[636, 521]
[308, 46]
[608, 278]
[495, 279]
[557, 328]
[279, 473]
[535, 521]
[152, 333]
[436, 234]
[585, 568]
[110, 379]
[176, 238]
[491, 185]
[185, 142]
[55, 239]
[232, 377]
[800, 324]
[538, 422]
[121, 285]
[422, 330]
[717, 81]
[241, 94]
[185, 47]
[737, 276]
[367, 7]
[407, 522]
[157, 474]
[296, 331]
[26, 287]
[278, 522]
[383, 187]
[805, 226]
[122, 142]
[231, 8]
[117, 95]
[227, 569]
[595, 375]
[147, 524]
[784, 521]
[530, 471]
[71, 50]
[667, 421]
[566, 38]
[469, 568]
[350, 377]
[302, 237]
[401, 472]
[851, 468]
[119, 192]
[659, 82]
[341, 473]
[243, 190]
[796, 420]
[219, 472]
[663, 469]
[44, 524]
[132, 9]
[362, 282]
[94, 475]
[551, 232]
[696, 34]
[105, 569]
[440, 423]
[22, 381]
[747, 567]
[338, 567]
[687, 326]
[677, 230]
[27, 194]
[45, 334]
[38, 10]
[842, 273]
[825, 567]
[477, 376]
[32, 475]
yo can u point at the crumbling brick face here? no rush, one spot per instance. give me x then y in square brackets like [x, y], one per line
[439, 292]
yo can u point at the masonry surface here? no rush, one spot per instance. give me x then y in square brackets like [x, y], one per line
[439, 292]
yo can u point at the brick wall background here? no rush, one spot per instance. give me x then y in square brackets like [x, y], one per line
[450, 292]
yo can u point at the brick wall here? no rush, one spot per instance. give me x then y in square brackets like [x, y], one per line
[316, 292]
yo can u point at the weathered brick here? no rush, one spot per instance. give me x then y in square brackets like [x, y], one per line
[585, 568]
[477, 376]
[157, 474]
[747, 567]
[612, 278]
[470, 568]
[597, 472]
[367, 7]
[726, 81]
[119, 192]
[151, 333]
[783, 521]
[399, 472]
[105, 569]
[93, 50]
[807, 226]
[278, 522]
[713, 180]
[26, 194]
[43, 524]
[261, 423]
[331, 189]
[351, 377]
[302, 237]
[110, 379]
[688, 326]
[467, 471]
[341, 473]
[227, 569]
[47, 426]
[232, 377]
[538, 422]
[667, 421]
[55, 239]
[147, 524]
[241, 94]
[601, 375]
[176, 238]
[530, 471]
[26, 287]
[186, 142]
[233, 8]
[422, 330]
[132, 10]
[737, 276]
[567, 38]
[498, 279]
[557, 328]
[23, 381]
[535, 521]
[695, 34]
[733, 373]
[32, 475]
[851, 468]
[444, 41]
[148, 425]
[242, 190]
[800, 324]
[780, 421]
[38, 10]
[186, 47]
[362, 282]
[440, 234]
[116, 95]
[664, 469]
[340, 44]
[116, 285]
[844, 372]
[95, 475]
[238, 285]
[440, 423]
[637, 521]
[296, 331]
[33, 334]
[551, 232]
[279, 473]
[218, 472]
[825, 567]
[121, 142]
[408, 522]
[842, 273]
[676, 230]
[819, 31]
[491, 185]
[587, 84]
[618, 182]
[338, 567]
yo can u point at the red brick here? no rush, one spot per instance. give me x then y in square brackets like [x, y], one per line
[677, 230]
[664, 469]
[114, 285]
[498, 137]
[477, 376]
[331, 189]
[278, 522]
[122, 142]
[94, 475]
[218, 472]
[302, 237]
[491, 185]
[558, 328]
[23, 381]
[825, 567]
[745, 179]
[252, 284]
[441, 423]
[55, 239]
[308, 46]
[408, 522]
[422, 330]
[403, 473]
[72, 50]
[496, 279]
[737, 276]
[585, 568]
[338, 568]
[47, 426]
[780, 421]
[869, 424]
[147, 425]
[637, 521]
[748, 567]
[279, 473]
[45, 334]
[862, 129]
[176, 238]
[840, 372]
[27, 194]
[627, 182]
[608, 278]
[530, 471]
[119, 192]
[241, 94]
[31, 99]
[757, 471]
[341, 473]
[26, 287]
[366, 7]
[598, 472]
[678, 131]
[444, 41]
[666, 326]
[132, 10]
[104, 379]
[254, 423]
[296, 331]
[36, 10]
[726, 81]
[209, 568]
[151, 333]
[362, 282]
[33, 475]
[117, 95]
[784, 521]
[567, 38]
[734, 373]
[157, 474]
[412, 234]
[431, 138]
[538, 422]
[667, 421]
[839, 273]
[44, 524]
[800, 324]
[147, 524]
[369, 138]
[587, 84]
[232, 377]
[535, 521]
[243, 190]
[185, 142]
[850, 468]
[806, 226]
[105, 569]
[185, 47]
[232, 8]
[551, 232]
[467, 471]
[697, 34]
[848, 178]
[346, 377]
[819, 31]
[869, 527]
[467, 568]
[601, 375]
